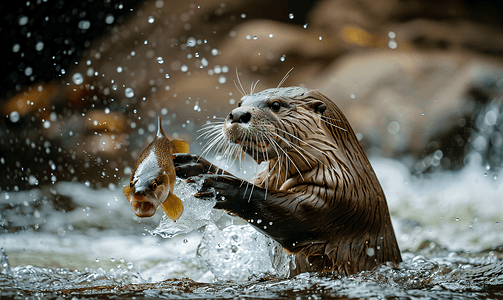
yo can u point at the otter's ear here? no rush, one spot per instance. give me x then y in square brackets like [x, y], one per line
[317, 106]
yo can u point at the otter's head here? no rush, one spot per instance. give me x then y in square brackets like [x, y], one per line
[270, 123]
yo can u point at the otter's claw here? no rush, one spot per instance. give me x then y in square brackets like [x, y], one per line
[188, 165]
[227, 189]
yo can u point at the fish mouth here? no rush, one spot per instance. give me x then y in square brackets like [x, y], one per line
[143, 207]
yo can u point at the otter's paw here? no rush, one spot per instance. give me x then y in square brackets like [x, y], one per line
[225, 188]
[188, 165]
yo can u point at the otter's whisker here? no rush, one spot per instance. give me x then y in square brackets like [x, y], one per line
[211, 131]
[242, 90]
[310, 154]
[331, 124]
[216, 141]
[297, 149]
[289, 160]
[254, 86]
[283, 80]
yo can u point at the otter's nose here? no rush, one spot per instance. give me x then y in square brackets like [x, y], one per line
[240, 117]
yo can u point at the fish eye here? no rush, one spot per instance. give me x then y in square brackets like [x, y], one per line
[153, 186]
[275, 106]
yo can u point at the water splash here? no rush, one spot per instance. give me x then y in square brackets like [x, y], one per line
[239, 252]
[196, 212]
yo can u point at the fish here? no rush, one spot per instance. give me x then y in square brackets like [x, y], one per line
[152, 181]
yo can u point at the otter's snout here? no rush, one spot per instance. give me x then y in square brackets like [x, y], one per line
[239, 116]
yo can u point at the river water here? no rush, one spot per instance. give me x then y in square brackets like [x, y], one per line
[448, 226]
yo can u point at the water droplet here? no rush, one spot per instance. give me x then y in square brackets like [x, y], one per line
[393, 127]
[47, 124]
[214, 51]
[129, 92]
[222, 79]
[84, 24]
[160, 60]
[353, 96]
[391, 35]
[291, 16]
[16, 48]
[109, 19]
[270, 35]
[112, 259]
[305, 25]
[191, 42]
[184, 68]
[243, 16]
[96, 260]
[392, 44]
[185, 241]
[282, 58]
[78, 78]
[130, 265]
[14, 116]
[39, 46]
[370, 251]
[23, 20]
[151, 19]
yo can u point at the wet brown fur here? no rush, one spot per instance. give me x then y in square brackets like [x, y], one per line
[324, 203]
[355, 214]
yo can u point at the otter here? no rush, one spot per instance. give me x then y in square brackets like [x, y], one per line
[318, 195]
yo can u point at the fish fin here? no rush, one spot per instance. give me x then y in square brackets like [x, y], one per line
[172, 207]
[127, 190]
[180, 146]
[160, 132]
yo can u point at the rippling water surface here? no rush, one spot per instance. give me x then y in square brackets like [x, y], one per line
[448, 226]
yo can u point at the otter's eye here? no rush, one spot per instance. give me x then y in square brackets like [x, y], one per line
[153, 186]
[275, 106]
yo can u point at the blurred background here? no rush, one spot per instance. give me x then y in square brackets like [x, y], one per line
[83, 82]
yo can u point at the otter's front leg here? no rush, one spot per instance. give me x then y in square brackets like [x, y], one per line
[271, 212]
[188, 165]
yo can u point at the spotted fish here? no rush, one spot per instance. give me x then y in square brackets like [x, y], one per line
[153, 179]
